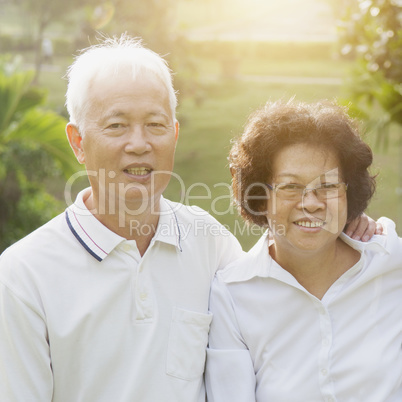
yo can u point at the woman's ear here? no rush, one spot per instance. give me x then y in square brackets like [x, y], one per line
[75, 140]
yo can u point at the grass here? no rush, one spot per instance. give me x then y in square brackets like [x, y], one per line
[206, 130]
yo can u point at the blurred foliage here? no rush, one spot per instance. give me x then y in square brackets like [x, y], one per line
[371, 31]
[32, 148]
[149, 19]
[43, 13]
[154, 22]
[85, 21]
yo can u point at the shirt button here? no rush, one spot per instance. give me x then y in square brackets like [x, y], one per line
[126, 247]
[143, 296]
[330, 399]
[322, 311]
[325, 342]
[324, 372]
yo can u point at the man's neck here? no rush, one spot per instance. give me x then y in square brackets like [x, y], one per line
[140, 227]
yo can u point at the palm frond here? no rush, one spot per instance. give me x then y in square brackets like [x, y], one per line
[12, 90]
[47, 129]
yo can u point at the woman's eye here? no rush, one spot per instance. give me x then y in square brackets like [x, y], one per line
[291, 187]
[329, 186]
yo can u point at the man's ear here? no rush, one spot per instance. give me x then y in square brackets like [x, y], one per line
[176, 127]
[75, 140]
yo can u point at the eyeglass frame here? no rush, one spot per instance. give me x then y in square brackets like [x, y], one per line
[306, 190]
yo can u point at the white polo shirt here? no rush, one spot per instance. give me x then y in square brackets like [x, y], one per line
[83, 318]
[271, 340]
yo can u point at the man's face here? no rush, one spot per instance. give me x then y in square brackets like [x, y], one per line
[129, 140]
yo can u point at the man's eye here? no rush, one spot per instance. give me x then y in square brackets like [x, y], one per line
[115, 125]
[155, 124]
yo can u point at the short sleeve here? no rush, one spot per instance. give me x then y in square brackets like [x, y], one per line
[25, 368]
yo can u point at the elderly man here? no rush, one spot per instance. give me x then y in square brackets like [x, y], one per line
[109, 300]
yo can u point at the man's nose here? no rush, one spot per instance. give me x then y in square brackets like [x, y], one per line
[137, 141]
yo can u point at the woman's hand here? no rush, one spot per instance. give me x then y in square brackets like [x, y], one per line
[363, 228]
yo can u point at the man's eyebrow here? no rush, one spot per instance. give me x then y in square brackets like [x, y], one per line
[113, 113]
[158, 114]
[120, 113]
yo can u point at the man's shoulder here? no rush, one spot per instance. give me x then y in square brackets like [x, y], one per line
[202, 231]
[255, 263]
[385, 249]
[193, 214]
[44, 237]
[388, 244]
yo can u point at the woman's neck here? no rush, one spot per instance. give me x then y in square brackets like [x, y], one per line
[317, 271]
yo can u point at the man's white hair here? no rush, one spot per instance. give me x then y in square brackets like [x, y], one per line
[107, 59]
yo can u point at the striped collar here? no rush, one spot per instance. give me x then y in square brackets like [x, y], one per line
[99, 241]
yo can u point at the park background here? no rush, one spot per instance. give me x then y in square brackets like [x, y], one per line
[229, 57]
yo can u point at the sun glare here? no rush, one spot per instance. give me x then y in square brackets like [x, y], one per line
[259, 20]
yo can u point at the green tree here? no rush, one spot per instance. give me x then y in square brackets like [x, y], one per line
[372, 32]
[32, 148]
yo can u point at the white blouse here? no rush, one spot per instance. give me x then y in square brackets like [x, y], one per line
[271, 340]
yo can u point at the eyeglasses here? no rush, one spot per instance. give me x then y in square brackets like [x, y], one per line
[323, 191]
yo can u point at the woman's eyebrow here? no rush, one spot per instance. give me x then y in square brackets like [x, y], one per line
[329, 174]
[285, 174]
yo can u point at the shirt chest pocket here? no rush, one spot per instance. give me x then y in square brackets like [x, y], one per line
[188, 339]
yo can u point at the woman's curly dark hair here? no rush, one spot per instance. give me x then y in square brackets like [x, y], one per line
[279, 124]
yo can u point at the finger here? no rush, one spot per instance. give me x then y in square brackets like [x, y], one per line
[379, 229]
[359, 230]
[370, 230]
[351, 227]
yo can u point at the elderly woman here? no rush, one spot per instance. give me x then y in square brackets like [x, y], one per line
[309, 314]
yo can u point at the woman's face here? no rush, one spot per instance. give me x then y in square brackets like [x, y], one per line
[309, 223]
